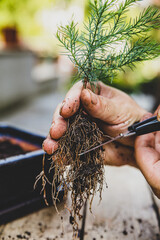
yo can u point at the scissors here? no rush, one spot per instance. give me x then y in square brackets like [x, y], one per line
[138, 128]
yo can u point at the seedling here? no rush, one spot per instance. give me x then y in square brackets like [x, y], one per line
[93, 52]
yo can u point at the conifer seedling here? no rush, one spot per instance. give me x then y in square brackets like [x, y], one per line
[93, 52]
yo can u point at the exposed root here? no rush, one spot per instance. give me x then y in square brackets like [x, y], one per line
[81, 175]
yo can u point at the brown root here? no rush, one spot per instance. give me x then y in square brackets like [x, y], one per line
[82, 176]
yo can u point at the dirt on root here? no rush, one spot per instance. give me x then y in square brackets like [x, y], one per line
[82, 176]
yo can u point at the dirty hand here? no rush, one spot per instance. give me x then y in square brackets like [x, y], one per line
[147, 153]
[113, 111]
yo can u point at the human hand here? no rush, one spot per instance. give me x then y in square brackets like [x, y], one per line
[147, 153]
[113, 111]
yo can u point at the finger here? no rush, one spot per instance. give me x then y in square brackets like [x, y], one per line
[70, 105]
[99, 107]
[145, 141]
[143, 145]
[71, 102]
[59, 125]
[148, 159]
[117, 154]
[115, 130]
[49, 145]
[108, 114]
[157, 142]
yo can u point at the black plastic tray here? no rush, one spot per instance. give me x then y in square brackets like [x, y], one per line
[17, 178]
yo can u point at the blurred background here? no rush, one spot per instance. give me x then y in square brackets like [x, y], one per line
[34, 75]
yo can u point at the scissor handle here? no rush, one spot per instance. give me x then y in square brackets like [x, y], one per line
[146, 126]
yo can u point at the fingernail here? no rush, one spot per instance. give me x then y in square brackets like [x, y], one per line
[93, 98]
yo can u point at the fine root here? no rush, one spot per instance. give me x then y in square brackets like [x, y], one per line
[82, 176]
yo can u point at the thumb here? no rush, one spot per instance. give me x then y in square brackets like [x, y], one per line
[99, 107]
[147, 158]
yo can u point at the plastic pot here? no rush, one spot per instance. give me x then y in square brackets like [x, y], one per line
[18, 174]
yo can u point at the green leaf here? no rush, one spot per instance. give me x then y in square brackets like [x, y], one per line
[93, 50]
